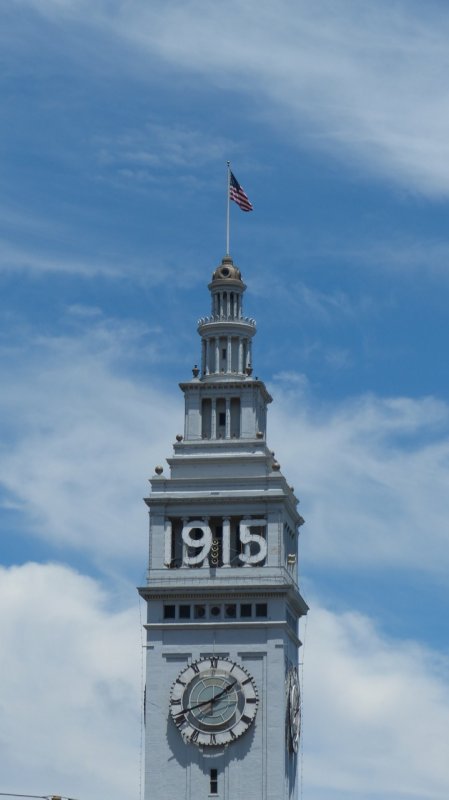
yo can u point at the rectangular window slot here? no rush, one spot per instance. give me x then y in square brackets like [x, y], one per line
[184, 612]
[169, 612]
[245, 610]
[214, 781]
[261, 610]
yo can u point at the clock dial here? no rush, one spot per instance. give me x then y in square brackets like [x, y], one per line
[293, 709]
[213, 701]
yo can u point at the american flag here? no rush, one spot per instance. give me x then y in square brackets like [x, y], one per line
[237, 194]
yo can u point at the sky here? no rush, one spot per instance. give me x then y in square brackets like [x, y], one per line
[117, 120]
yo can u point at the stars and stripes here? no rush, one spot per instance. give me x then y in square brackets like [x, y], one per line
[237, 194]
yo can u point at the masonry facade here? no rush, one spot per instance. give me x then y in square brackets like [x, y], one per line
[223, 603]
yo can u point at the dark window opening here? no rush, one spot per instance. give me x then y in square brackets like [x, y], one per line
[214, 781]
[223, 352]
[169, 612]
[215, 611]
[245, 609]
[231, 611]
[200, 612]
[222, 418]
[184, 612]
[261, 609]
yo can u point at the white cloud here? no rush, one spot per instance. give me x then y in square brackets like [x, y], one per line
[376, 713]
[80, 439]
[372, 474]
[71, 688]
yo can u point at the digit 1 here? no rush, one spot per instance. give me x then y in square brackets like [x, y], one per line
[212, 739]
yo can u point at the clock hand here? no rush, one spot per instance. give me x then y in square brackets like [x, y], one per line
[207, 702]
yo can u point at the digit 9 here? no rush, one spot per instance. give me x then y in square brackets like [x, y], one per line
[197, 536]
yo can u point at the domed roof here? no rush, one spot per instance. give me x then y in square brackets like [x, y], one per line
[226, 271]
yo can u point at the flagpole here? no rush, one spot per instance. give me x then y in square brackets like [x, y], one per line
[227, 207]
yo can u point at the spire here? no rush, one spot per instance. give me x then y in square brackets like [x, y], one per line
[226, 334]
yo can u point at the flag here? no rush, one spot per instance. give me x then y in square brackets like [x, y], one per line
[237, 194]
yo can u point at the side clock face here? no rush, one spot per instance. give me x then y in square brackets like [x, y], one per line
[213, 701]
[293, 709]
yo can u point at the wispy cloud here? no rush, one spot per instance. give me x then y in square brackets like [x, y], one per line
[367, 84]
[17, 258]
[156, 146]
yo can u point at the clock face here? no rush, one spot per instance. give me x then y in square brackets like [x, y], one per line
[213, 701]
[294, 709]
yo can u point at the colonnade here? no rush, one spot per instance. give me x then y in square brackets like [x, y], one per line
[213, 361]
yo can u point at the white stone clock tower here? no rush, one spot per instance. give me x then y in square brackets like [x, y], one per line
[222, 691]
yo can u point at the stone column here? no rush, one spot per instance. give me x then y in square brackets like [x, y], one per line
[184, 546]
[207, 356]
[217, 354]
[205, 560]
[168, 543]
[203, 356]
[226, 542]
[240, 366]
[228, 418]
[229, 355]
[213, 419]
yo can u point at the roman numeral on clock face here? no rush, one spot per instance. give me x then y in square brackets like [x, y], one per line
[175, 702]
[195, 667]
[245, 719]
[214, 662]
[194, 736]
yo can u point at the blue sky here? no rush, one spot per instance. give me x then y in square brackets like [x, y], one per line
[117, 120]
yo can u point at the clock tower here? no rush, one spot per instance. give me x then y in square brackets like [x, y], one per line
[222, 703]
